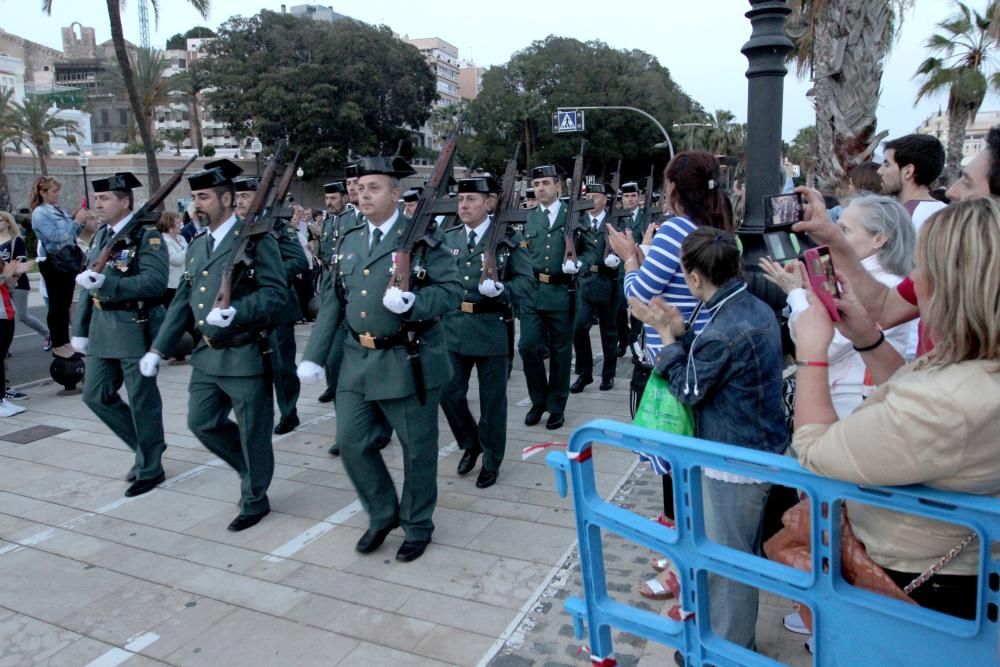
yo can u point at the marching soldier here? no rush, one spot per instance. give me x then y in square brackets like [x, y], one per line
[600, 295]
[340, 216]
[529, 198]
[394, 356]
[630, 202]
[118, 314]
[548, 308]
[477, 333]
[230, 365]
[629, 327]
[410, 199]
[293, 258]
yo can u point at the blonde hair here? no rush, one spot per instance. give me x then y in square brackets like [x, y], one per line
[12, 227]
[41, 184]
[959, 257]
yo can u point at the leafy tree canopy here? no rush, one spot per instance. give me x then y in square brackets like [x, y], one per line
[332, 89]
[179, 41]
[517, 100]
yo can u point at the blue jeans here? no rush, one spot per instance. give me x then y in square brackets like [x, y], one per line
[734, 518]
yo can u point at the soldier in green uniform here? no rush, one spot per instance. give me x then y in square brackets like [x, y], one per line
[477, 333]
[230, 364]
[335, 199]
[600, 296]
[547, 310]
[629, 327]
[410, 199]
[119, 312]
[293, 257]
[377, 372]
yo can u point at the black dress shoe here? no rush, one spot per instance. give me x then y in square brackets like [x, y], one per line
[142, 486]
[244, 521]
[678, 659]
[287, 424]
[556, 420]
[607, 385]
[534, 415]
[383, 441]
[373, 539]
[486, 479]
[327, 395]
[622, 349]
[580, 383]
[130, 477]
[334, 450]
[411, 550]
[468, 461]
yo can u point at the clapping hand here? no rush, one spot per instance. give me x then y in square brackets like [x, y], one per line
[788, 276]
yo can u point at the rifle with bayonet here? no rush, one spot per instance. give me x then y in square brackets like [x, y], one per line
[147, 214]
[498, 226]
[647, 201]
[433, 202]
[616, 180]
[575, 206]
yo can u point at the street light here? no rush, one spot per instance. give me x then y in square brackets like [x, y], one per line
[692, 126]
[299, 174]
[666, 143]
[83, 161]
[256, 147]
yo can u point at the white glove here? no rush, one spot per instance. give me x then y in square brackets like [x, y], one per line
[612, 261]
[90, 279]
[221, 317]
[490, 288]
[310, 373]
[570, 266]
[398, 301]
[79, 344]
[149, 364]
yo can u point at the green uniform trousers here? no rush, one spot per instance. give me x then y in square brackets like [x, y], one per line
[143, 435]
[490, 435]
[286, 380]
[537, 327]
[416, 426]
[336, 357]
[607, 315]
[245, 444]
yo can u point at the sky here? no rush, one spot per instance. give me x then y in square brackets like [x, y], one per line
[699, 42]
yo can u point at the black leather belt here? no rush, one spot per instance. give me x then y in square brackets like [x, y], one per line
[132, 306]
[397, 339]
[554, 279]
[482, 307]
[606, 271]
[236, 340]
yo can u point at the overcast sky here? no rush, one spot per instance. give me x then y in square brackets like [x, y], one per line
[698, 41]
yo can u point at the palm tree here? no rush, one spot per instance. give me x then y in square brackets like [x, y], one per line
[191, 84]
[963, 66]
[724, 136]
[118, 38]
[36, 123]
[842, 46]
[175, 136]
[148, 67]
[8, 135]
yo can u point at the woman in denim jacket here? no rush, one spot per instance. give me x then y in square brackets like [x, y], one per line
[730, 375]
[55, 229]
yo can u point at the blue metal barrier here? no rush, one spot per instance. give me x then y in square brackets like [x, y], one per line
[853, 626]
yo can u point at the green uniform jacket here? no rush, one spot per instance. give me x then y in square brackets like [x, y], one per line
[386, 374]
[336, 226]
[293, 257]
[545, 248]
[257, 302]
[137, 271]
[485, 334]
[598, 284]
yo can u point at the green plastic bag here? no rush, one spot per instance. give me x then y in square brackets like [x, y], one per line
[660, 410]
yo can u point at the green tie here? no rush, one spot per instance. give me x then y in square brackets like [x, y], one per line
[472, 240]
[376, 237]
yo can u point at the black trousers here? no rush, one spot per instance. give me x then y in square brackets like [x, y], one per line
[950, 594]
[6, 337]
[60, 287]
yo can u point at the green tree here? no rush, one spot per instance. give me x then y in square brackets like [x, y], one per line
[803, 151]
[36, 123]
[962, 66]
[148, 67]
[179, 41]
[175, 137]
[726, 136]
[128, 77]
[191, 84]
[517, 100]
[330, 89]
[841, 45]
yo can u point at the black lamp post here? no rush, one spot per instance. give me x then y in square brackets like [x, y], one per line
[83, 160]
[256, 147]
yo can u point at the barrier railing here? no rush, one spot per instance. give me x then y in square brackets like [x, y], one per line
[852, 626]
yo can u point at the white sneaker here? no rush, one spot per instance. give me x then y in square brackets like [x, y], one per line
[793, 622]
[8, 409]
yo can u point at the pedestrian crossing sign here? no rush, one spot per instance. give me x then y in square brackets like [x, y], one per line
[570, 120]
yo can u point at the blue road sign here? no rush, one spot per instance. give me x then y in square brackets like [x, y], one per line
[567, 121]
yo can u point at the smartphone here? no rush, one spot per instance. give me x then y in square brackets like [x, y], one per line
[819, 267]
[782, 211]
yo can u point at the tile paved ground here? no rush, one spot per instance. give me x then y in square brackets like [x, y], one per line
[87, 575]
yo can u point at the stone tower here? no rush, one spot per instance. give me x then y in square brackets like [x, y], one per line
[79, 42]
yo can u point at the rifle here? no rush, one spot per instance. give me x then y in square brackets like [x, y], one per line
[498, 227]
[146, 214]
[616, 180]
[433, 201]
[647, 200]
[258, 221]
[574, 208]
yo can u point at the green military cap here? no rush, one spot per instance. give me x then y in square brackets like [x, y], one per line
[122, 180]
[631, 186]
[601, 188]
[545, 171]
[480, 185]
[217, 172]
[413, 194]
[337, 187]
[246, 184]
[396, 167]
[351, 171]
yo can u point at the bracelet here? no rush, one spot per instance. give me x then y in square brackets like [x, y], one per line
[818, 364]
[881, 339]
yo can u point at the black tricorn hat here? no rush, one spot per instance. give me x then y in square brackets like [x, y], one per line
[480, 184]
[337, 187]
[351, 171]
[631, 186]
[246, 184]
[413, 194]
[529, 193]
[601, 188]
[396, 167]
[217, 172]
[122, 180]
[545, 171]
